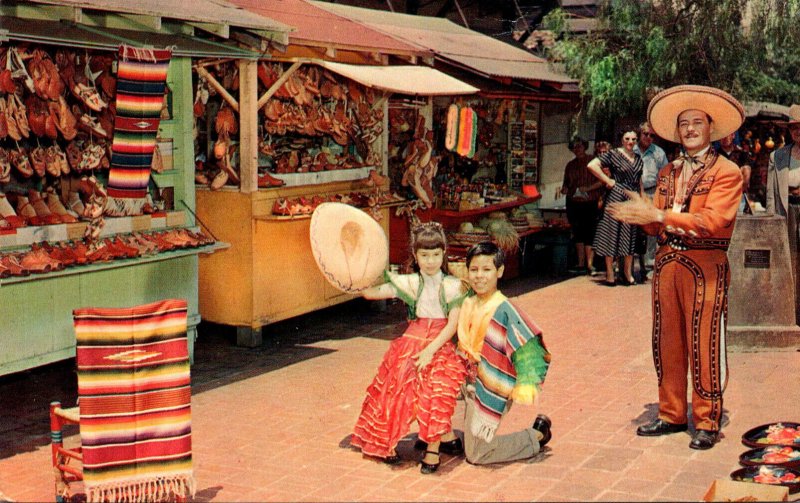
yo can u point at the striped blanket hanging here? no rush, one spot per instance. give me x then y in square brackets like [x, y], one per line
[135, 402]
[141, 81]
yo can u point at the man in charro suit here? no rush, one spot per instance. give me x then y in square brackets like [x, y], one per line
[692, 213]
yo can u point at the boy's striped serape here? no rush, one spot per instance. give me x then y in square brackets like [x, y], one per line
[513, 355]
[135, 401]
[141, 81]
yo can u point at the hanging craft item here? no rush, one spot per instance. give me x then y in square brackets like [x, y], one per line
[141, 80]
[451, 135]
[467, 131]
[473, 141]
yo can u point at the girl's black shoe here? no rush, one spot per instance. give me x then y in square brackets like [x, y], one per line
[392, 460]
[428, 468]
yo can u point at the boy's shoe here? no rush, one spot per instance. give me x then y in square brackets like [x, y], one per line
[454, 447]
[542, 424]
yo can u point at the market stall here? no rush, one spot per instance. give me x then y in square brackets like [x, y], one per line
[96, 169]
[314, 129]
[487, 149]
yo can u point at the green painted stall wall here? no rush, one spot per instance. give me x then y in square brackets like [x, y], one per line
[36, 314]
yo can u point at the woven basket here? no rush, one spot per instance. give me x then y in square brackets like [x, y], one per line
[467, 238]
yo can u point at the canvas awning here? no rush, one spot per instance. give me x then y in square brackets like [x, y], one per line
[766, 110]
[404, 79]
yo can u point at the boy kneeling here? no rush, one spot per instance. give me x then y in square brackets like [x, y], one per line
[508, 361]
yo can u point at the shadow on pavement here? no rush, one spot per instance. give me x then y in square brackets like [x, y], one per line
[25, 396]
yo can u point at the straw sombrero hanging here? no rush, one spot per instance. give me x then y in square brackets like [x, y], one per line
[726, 113]
[349, 246]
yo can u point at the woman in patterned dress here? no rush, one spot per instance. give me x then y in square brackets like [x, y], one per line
[613, 238]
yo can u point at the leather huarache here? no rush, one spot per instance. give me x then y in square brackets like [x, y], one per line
[658, 427]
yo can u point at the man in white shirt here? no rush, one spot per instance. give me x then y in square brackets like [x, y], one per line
[654, 158]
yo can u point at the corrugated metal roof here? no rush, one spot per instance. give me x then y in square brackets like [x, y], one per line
[405, 79]
[75, 35]
[452, 42]
[319, 27]
[198, 11]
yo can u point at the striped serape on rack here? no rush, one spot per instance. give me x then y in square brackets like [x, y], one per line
[135, 402]
[141, 81]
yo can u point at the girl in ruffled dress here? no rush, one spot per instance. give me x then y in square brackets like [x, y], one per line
[420, 375]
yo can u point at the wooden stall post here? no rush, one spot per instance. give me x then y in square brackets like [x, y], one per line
[248, 125]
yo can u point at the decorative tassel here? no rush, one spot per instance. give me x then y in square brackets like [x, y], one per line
[118, 207]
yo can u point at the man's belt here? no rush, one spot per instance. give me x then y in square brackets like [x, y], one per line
[682, 243]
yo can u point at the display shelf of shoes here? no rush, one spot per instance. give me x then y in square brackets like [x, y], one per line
[25, 236]
[320, 177]
[117, 263]
[265, 200]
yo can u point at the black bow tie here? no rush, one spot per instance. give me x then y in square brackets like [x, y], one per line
[694, 159]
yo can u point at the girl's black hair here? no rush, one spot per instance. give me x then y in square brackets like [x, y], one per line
[487, 248]
[428, 236]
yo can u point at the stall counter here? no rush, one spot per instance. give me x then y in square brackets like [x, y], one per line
[268, 274]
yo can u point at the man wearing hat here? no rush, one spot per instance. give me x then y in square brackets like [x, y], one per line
[692, 213]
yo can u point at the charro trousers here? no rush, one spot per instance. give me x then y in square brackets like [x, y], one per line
[690, 291]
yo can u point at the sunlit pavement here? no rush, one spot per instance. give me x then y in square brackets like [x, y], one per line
[273, 423]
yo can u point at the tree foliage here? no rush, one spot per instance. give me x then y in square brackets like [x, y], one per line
[750, 48]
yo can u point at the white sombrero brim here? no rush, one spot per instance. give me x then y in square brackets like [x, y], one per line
[794, 117]
[726, 112]
[349, 246]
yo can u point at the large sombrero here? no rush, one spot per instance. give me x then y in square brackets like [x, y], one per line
[726, 112]
[349, 246]
[794, 116]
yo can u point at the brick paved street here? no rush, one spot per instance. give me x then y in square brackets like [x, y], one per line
[272, 423]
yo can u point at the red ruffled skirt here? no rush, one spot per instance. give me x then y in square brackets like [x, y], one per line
[399, 394]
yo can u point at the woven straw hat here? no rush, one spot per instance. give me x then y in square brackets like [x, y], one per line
[726, 112]
[794, 116]
[349, 246]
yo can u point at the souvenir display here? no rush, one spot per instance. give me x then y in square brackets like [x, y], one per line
[785, 456]
[769, 474]
[782, 433]
[314, 122]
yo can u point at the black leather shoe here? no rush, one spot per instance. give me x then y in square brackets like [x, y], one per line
[658, 427]
[453, 448]
[542, 424]
[392, 460]
[704, 439]
[428, 468]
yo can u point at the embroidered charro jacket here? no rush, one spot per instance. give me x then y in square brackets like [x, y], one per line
[707, 215]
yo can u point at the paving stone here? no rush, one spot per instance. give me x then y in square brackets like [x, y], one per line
[272, 423]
